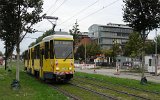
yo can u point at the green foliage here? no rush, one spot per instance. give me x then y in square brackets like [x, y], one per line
[108, 53]
[80, 53]
[8, 26]
[158, 43]
[32, 44]
[150, 47]
[39, 39]
[134, 46]
[142, 15]
[121, 81]
[1, 54]
[117, 50]
[17, 19]
[93, 49]
[47, 33]
[31, 88]
[75, 32]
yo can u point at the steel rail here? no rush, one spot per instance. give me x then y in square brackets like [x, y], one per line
[93, 91]
[73, 97]
[118, 91]
[133, 88]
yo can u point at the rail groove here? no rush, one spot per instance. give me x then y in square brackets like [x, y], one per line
[73, 97]
[90, 90]
[122, 92]
[116, 84]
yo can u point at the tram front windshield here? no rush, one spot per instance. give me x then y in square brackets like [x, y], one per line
[63, 49]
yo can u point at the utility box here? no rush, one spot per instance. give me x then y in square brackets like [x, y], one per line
[150, 63]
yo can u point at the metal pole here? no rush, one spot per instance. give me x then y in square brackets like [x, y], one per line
[156, 53]
[85, 52]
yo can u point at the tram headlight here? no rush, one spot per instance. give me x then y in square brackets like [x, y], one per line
[57, 68]
[70, 68]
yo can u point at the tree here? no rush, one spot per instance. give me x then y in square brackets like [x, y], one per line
[26, 13]
[158, 43]
[1, 54]
[47, 33]
[133, 46]
[92, 49]
[142, 16]
[108, 53]
[39, 39]
[7, 33]
[75, 32]
[80, 52]
[116, 50]
[150, 47]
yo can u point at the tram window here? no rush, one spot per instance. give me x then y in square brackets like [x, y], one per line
[46, 50]
[42, 51]
[26, 54]
[38, 52]
[32, 55]
[51, 50]
[35, 54]
[29, 55]
[63, 42]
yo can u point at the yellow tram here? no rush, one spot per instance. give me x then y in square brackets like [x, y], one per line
[52, 58]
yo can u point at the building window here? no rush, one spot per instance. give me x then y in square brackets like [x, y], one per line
[150, 61]
[118, 34]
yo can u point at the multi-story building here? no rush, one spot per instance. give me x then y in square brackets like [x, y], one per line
[107, 35]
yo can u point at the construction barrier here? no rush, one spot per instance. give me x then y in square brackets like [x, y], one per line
[85, 66]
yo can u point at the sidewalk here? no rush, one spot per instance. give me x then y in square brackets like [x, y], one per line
[111, 72]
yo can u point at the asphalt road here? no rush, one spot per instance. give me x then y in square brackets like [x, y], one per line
[121, 74]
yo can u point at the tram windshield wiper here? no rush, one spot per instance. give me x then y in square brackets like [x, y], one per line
[67, 56]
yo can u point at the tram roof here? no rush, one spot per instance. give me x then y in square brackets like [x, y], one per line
[50, 37]
[56, 36]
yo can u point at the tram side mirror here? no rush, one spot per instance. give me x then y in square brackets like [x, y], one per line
[42, 52]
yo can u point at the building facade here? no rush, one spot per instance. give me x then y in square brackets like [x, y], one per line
[107, 35]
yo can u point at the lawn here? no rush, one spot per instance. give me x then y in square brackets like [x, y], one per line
[126, 82]
[31, 88]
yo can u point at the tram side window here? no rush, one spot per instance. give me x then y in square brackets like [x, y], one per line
[29, 55]
[51, 50]
[32, 56]
[25, 54]
[38, 52]
[46, 50]
[35, 54]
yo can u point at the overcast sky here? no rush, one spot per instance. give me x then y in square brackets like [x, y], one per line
[87, 12]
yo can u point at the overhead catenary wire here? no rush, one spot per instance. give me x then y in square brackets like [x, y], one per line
[94, 12]
[98, 10]
[58, 7]
[54, 4]
[84, 9]
[89, 14]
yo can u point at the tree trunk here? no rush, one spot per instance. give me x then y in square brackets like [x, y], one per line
[5, 63]
[6, 57]
[143, 78]
[18, 60]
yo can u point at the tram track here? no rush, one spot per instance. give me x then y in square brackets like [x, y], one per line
[117, 91]
[116, 84]
[93, 91]
[66, 93]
